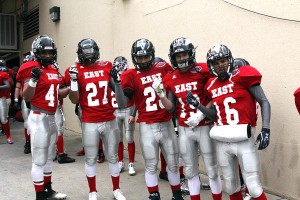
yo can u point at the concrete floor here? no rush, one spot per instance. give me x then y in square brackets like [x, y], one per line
[15, 170]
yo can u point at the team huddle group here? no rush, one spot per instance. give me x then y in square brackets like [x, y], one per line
[213, 106]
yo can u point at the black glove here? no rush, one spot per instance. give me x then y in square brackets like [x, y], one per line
[73, 73]
[36, 74]
[17, 106]
[115, 74]
[263, 139]
[191, 99]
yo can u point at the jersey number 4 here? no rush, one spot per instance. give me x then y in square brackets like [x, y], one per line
[50, 95]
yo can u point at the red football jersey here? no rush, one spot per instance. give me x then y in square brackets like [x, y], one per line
[67, 77]
[114, 102]
[180, 83]
[297, 99]
[4, 76]
[23, 72]
[46, 91]
[233, 101]
[147, 102]
[94, 92]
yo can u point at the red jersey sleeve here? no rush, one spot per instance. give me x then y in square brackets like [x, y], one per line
[249, 76]
[67, 77]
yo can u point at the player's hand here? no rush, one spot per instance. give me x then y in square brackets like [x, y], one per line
[195, 119]
[191, 99]
[17, 106]
[131, 120]
[158, 87]
[73, 71]
[36, 74]
[115, 74]
[263, 139]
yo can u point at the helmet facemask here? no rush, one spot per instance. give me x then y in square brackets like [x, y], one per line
[120, 63]
[88, 51]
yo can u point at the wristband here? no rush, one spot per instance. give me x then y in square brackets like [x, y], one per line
[16, 100]
[32, 83]
[74, 86]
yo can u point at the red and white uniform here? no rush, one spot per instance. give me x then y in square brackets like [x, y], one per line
[95, 100]
[235, 107]
[21, 77]
[98, 119]
[156, 127]
[3, 93]
[192, 139]
[41, 120]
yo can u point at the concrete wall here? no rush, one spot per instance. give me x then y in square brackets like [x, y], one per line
[266, 33]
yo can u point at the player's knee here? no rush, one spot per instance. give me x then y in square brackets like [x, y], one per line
[61, 129]
[129, 138]
[231, 186]
[90, 161]
[39, 160]
[212, 172]
[190, 172]
[151, 166]
[255, 190]
[3, 119]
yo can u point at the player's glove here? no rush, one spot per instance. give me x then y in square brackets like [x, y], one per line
[115, 74]
[36, 74]
[191, 99]
[73, 73]
[263, 139]
[195, 119]
[158, 87]
[17, 106]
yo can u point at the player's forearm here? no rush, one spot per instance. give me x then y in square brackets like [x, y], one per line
[63, 93]
[259, 95]
[28, 92]
[17, 93]
[167, 104]
[208, 111]
[120, 97]
[74, 96]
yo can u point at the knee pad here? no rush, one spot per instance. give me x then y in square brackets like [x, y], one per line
[129, 137]
[231, 185]
[151, 166]
[90, 161]
[190, 171]
[39, 156]
[212, 171]
[253, 184]
[61, 129]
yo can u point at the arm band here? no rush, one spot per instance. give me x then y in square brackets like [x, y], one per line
[74, 86]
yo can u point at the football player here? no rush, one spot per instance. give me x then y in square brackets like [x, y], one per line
[5, 85]
[190, 76]
[126, 120]
[62, 157]
[91, 84]
[156, 127]
[25, 106]
[41, 88]
[234, 93]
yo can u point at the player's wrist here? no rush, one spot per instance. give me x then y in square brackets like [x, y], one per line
[74, 86]
[32, 83]
[16, 99]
